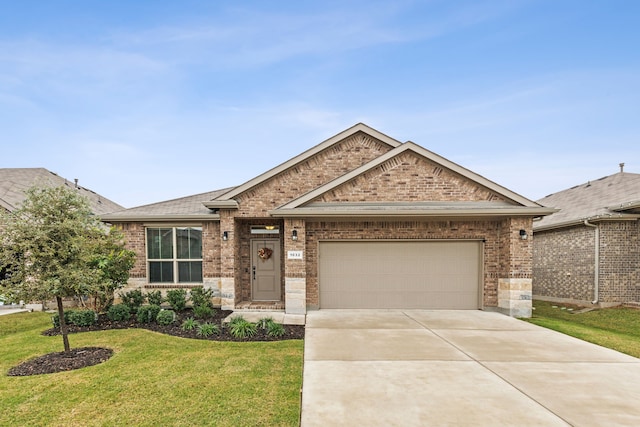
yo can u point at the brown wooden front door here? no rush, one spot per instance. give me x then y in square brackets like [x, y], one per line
[265, 270]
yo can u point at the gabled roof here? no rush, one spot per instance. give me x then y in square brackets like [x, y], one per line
[613, 197]
[223, 200]
[15, 181]
[183, 208]
[304, 206]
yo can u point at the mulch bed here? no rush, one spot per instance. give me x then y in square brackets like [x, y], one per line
[89, 356]
[59, 362]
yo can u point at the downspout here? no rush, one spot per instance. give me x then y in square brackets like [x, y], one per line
[596, 279]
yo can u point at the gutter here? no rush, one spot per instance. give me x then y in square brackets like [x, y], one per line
[596, 279]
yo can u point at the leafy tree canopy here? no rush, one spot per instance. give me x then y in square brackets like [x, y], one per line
[54, 247]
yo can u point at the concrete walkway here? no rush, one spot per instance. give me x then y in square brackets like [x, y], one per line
[443, 368]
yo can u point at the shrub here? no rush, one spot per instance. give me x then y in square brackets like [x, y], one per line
[55, 319]
[148, 313]
[166, 317]
[177, 299]
[242, 328]
[201, 297]
[189, 324]
[275, 329]
[119, 312]
[155, 298]
[208, 329]
[264, 322]
[133, 299]
[203, 311]
[82, 317]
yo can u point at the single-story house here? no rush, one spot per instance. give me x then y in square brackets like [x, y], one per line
[589, 251]
[361, 220]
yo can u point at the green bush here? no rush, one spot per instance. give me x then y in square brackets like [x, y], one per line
[177, 299]
[76, 317]
[264, 322]
[203, 311]
[189, 324]
[55, 319]
[275, 329]
[155, 298]
[207, 329]
[148, 313]
[242, 328]
[201, 297]
[133, 299]
[83, 317]
[119, 312]
[166, 317]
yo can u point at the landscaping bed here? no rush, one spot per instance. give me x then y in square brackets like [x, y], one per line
[89, 356]
[292, 332]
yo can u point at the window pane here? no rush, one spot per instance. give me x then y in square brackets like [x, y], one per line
[159, 243]
[153, 243]
[166, 243]
[190, 271]
[161, 272]
[189, 243]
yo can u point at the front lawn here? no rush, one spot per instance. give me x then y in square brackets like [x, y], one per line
[152, 379]
[617, 328]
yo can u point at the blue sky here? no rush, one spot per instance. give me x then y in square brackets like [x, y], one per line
[145, 101]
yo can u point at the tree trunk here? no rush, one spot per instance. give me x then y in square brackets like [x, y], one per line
[63, 326]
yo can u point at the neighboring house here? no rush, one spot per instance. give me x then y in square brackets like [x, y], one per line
[14, 182]
[359, 221]
[589, 251]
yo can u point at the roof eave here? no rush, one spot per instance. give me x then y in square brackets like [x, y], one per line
[221, 204]
[411, 213]
[159, 218]
[574, 222]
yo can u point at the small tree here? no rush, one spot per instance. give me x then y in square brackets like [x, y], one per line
[114, 263]
[51, 248]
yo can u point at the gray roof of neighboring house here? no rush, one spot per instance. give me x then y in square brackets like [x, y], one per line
[14, 182]
[190, 207]
[612, 197]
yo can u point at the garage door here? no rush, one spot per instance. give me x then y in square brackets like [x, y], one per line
[400, 274]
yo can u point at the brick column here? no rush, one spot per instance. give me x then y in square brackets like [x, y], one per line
[515, 281]
[227, 260]
[295, 272]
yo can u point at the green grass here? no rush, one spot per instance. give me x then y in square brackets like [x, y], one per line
[152, 379]
[617, 328]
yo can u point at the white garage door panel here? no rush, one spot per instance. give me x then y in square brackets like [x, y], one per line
[400, 274]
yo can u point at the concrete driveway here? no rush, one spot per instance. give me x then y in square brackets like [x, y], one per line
[439, 368]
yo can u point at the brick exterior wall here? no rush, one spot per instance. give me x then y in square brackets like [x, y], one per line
[564, 263]
[134, 235]
[325, 166]
[411, 178]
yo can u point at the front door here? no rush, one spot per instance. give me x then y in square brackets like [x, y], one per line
[265, 270]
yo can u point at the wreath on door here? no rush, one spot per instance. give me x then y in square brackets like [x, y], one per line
[264, 253]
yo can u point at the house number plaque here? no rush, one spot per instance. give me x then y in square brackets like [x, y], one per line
[294, 254]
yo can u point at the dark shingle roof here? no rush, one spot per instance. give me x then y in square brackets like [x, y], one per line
[14, 182]
[188, 206]
[599, 199]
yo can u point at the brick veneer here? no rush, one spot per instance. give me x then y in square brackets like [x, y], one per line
[408, 177]
[564, 263]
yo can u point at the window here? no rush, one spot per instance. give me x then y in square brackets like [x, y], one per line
[174, 254]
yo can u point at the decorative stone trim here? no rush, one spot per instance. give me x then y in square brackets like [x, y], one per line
[514, 297]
